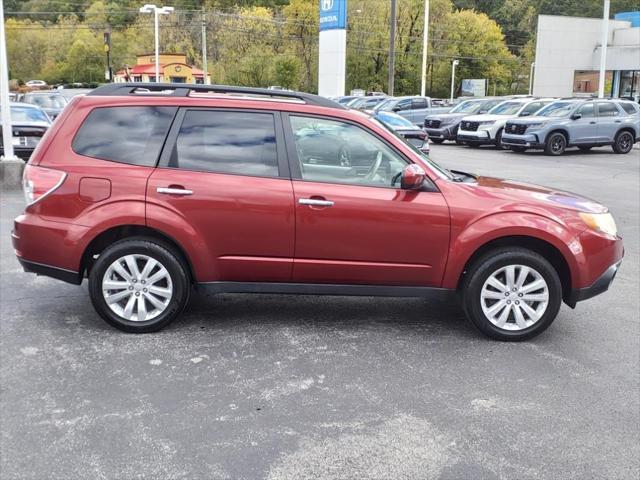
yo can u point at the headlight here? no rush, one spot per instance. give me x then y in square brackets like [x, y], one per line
[534, 125]
[602, 222]
[487, 122]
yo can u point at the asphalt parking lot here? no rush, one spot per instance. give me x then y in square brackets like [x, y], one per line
[285, 387]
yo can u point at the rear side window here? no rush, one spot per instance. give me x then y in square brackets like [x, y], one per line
[628, 107]
[132, 135]
[242, 143]
[607, 110]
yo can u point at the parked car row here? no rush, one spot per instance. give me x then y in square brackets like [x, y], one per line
[549, 124]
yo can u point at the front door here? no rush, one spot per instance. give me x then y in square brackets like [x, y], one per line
[354, 224]
[224, 175]
[584, 130]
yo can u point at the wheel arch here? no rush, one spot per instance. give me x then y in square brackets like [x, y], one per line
[535, 244]
[561, 130]
[629, 129]
[120, 232]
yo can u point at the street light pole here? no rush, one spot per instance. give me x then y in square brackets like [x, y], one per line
[149, 8]
[425, 45]
[453, 76]
[392, 48]
[603, 48]
[7, 140]
[531, 72]
[204, 47]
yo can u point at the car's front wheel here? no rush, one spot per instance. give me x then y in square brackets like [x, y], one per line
[512, 294]
[139, 285]
[623, 142]
[556, 144]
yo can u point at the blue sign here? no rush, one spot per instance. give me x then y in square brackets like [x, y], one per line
[333, 14]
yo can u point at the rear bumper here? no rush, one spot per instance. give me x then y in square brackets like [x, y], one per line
[601, 285]
[49, 271]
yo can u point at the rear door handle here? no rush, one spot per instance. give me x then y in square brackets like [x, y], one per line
[315, 203]
[174, 191]
[618, 121]
[592, 123]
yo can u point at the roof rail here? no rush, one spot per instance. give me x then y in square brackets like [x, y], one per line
[184, 90]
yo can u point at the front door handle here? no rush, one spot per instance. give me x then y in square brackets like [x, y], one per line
[174, 191]
[617, 121]
[315, 202]
[592, 123]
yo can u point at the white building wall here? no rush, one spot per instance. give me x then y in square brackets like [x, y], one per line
[567, 44]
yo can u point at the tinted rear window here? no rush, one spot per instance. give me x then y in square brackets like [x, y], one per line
[243, 143]
[132, 135]
[628, 107]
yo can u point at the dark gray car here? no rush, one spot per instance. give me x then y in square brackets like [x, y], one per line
[444, 126]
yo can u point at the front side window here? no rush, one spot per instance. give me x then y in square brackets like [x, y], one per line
[587, 110]
[331, 151]
[419, 103]
[242, 143]
[132, 135]
[607, 109]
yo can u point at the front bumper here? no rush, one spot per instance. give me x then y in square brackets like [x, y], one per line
[528, 140]
[444, 133]
[479, 136]
[601, 285]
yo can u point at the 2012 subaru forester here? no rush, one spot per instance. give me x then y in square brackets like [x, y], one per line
[151, 190]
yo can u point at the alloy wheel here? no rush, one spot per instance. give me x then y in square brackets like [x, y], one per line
[514, 297]
[137, 287]
[625, 142]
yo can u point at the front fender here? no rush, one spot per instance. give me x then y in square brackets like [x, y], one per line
[508, 224]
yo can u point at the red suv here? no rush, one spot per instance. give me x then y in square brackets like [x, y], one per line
[150, 190]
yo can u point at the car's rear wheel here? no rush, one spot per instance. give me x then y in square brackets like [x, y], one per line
[512, 294]
[139, 285]
[437, 140]
[556, 144]
[623, 142]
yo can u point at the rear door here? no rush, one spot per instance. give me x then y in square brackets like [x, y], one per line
[223, 183]
[354, 224]
[609, 121]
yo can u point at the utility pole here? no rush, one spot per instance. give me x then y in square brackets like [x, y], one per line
[531, 72]
[453, 76]
[425, 45]
[7, 131]
[107, 49]
[392, 48]
[603, 48]
[204, 47]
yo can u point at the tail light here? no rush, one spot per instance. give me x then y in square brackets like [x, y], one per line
[38, 182]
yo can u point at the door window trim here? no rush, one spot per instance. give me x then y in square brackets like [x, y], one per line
[172, 138]
[294, 160]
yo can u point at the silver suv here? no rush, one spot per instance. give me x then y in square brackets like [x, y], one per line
[581, 123]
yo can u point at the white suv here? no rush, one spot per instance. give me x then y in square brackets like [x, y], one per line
[477, 130]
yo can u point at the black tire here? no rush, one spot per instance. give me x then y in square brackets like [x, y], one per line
[556, 144]
[163, 254]
[623, 142]
[518, 149]
[491, 262]
[585, 148]
[459, 142]
[437, 140]
[499, 144]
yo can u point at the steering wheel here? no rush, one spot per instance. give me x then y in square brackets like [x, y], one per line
[374, 168]
[395, 178]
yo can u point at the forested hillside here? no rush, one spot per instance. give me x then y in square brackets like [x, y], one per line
[267, 42]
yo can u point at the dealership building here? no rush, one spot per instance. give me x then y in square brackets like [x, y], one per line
[568, 56]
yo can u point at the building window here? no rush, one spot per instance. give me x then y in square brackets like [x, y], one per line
[586, 82]
[629, 84]
[137, 78]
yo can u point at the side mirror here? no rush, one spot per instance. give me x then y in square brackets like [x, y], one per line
[397, 108]
[576, 116]
[525, 114]
[413, 177]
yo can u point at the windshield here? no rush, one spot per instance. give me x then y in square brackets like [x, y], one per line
[506, 108]
[440, 170]
[46, 101]
[394, 120]
[26, 114]
[467, 107]
[387, 105]
[557, 109]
